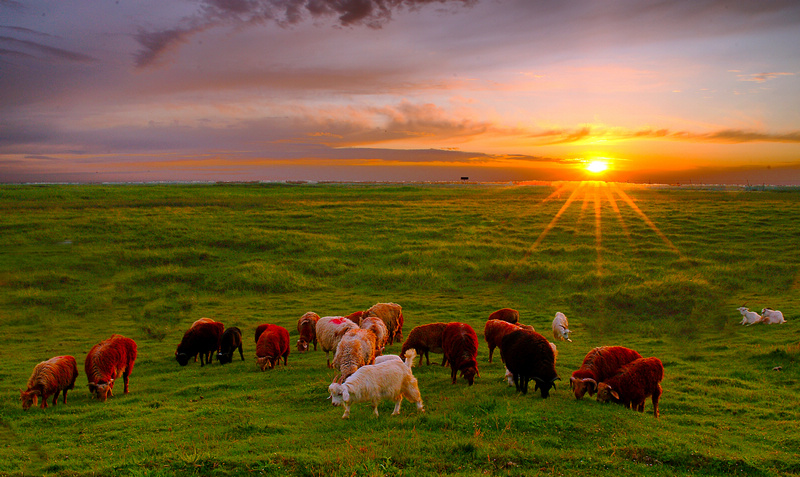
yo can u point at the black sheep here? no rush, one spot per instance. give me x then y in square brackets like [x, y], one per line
[203, 339]
[230, 341]
[528, 355]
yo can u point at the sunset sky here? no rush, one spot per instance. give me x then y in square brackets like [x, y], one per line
[385, 90]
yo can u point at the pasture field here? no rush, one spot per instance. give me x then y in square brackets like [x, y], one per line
[660, 270]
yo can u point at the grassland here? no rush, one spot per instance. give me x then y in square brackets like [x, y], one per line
[658, 270]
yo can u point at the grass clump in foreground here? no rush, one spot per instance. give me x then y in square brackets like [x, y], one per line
[81, 262]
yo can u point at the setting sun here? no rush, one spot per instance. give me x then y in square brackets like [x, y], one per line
[596, 166]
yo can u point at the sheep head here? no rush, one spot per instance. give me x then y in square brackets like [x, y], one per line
[582, 386]
[337, 392]
[470, 373]
[302, 345]
[28, 398]
[265, 363]
[545, 386]
[182, 358]
[605, 393]
[102, 391]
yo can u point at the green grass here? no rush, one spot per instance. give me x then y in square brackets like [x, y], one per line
[78, 263]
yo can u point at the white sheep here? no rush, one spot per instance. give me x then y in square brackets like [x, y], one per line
[390, 379]
[330, 330]
[355, 349]
[772, 317]
[561, 327]
[749, 317]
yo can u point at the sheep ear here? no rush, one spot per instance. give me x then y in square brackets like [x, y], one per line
[615, 394]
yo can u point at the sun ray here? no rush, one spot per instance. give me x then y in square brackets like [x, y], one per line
[615, 207]
[646, 219]
[553, 222]
[598, 226]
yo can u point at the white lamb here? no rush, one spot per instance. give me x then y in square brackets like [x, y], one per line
[561, 327]
[389, 379]
[330, 330]
[355, 349]
[772, 317]
[749, 317]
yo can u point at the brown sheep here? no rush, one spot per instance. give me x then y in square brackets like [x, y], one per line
[635, 382]
[378, 328]
[493, 333]
[392, 316]
[106, 362]
[307, 328]
[599, 364]
[460, 346]
[273, 344]
[506, 314]
[50, 377]
[425, 338]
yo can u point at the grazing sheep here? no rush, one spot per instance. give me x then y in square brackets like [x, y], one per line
[273, 344]
[106, 362]
[634, 383]
[772, 317]
[392, 316]
[49, 378]
[749, 317]
[599, 364]
[390, 379]
[230, 341]
[561, 327]
[423, 339]
[307, 328]
[355, 317]
[387, 357]
[509, 315]
[528, 355]
[355, 349]
[203, 339]
[330, 330]
[260, 329]
[493, 333]
[460, 346]
[378, 328]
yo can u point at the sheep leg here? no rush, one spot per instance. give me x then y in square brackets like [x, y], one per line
[396, 407]
[453, 373]
[55, 396]
[491, 350]
[125, 378]
[375, 408]
[656, 397]
[65, 396]
[346, 414]
[241, 353]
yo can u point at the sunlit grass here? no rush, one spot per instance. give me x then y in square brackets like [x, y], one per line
[659, 270]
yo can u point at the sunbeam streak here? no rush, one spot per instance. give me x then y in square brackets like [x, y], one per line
[615, 207]
[598, 226]
[646, 219]
[555, 219]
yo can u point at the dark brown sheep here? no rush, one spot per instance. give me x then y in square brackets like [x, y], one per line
[635, 382]
[423, 339]
[528, 355]
[460, 346]
[49, 378]
[599, 364]
[202, 338]
[231, 341]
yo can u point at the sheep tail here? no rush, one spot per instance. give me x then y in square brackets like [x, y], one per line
[411, 353]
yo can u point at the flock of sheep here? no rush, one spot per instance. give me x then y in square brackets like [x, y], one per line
[614, 373]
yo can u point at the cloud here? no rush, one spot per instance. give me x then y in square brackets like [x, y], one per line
[212, 13]
[761, 77]
[20, 47]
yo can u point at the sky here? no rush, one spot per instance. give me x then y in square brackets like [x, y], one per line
[701, 91]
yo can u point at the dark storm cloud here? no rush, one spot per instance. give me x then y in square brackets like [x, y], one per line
[372, 13]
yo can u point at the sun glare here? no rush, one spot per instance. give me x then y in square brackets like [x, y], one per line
[596, 166]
